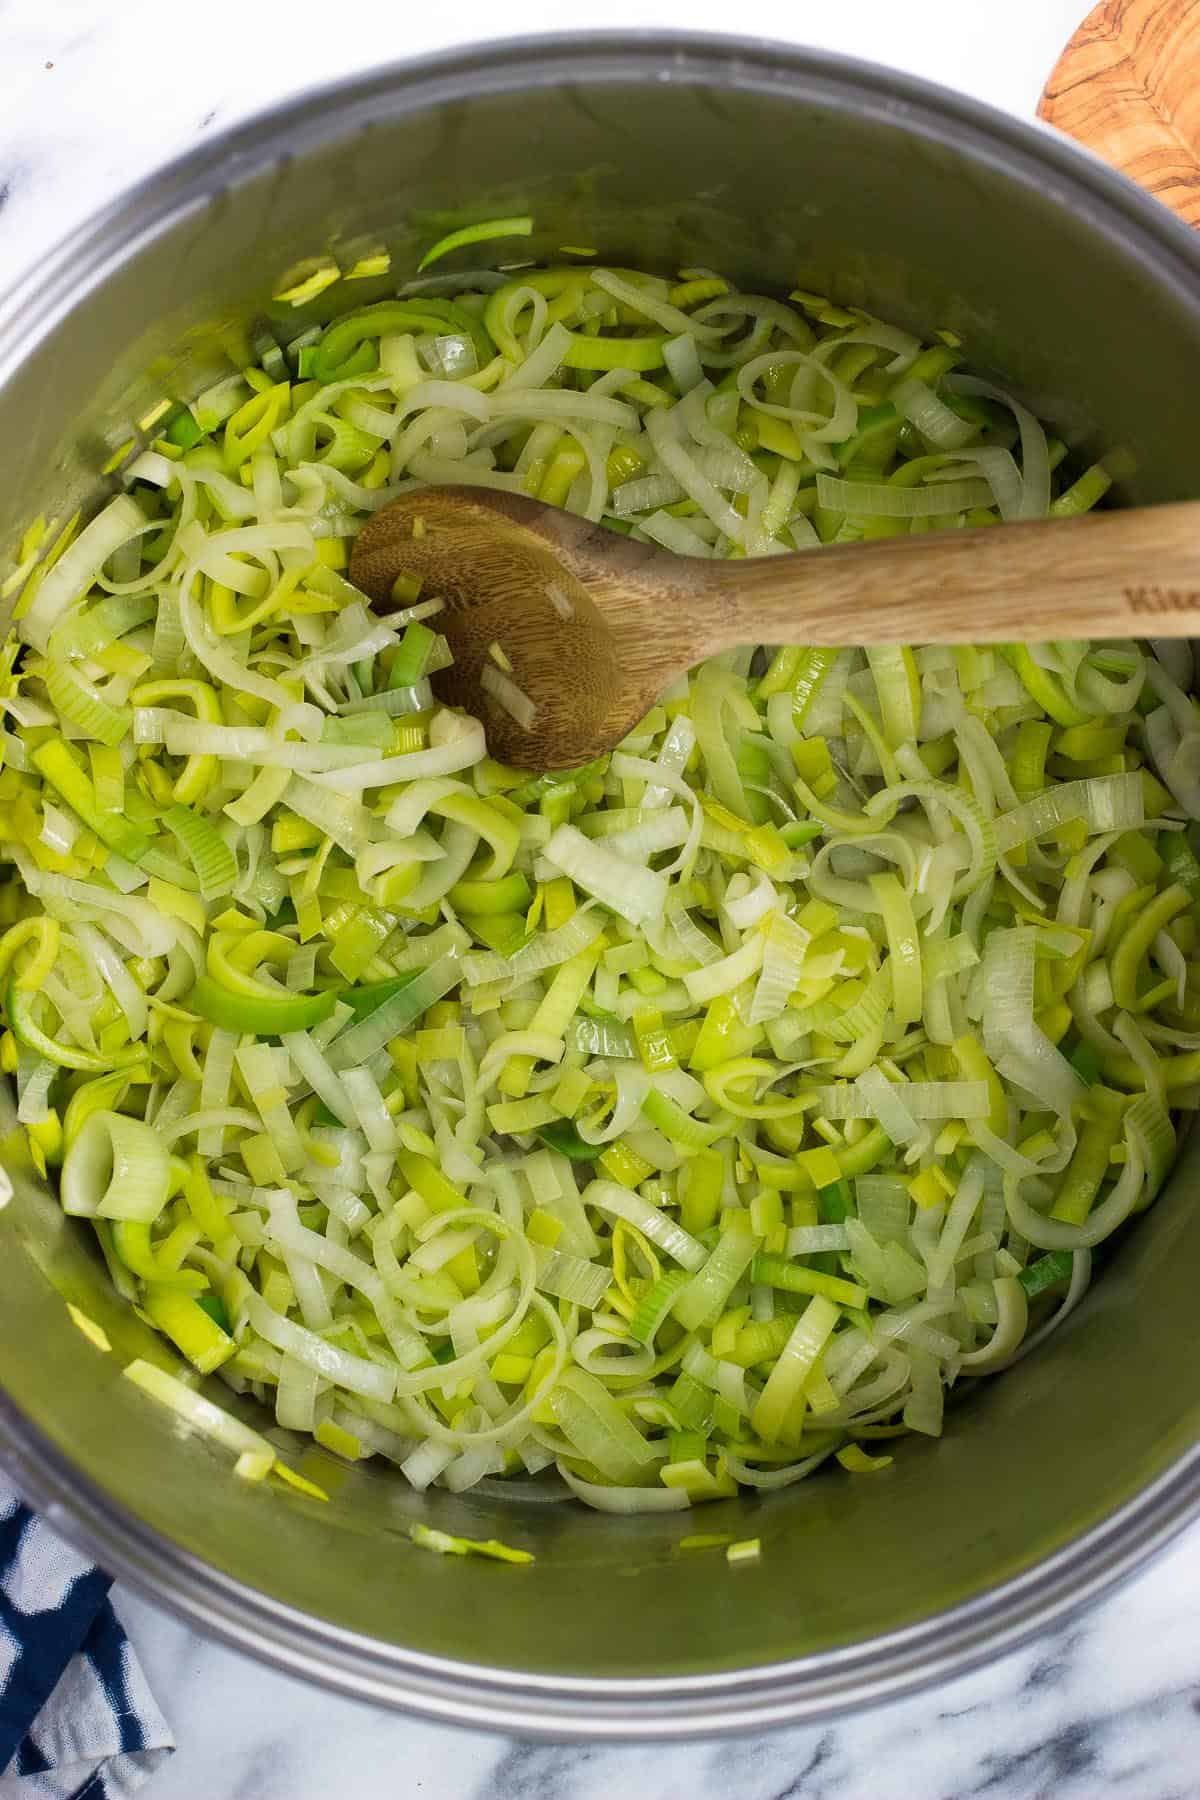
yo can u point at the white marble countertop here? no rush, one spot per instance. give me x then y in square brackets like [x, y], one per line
[92, 95]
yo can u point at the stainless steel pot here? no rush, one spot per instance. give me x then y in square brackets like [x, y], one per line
[1052, 1481]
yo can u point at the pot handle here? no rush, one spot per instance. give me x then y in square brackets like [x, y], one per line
[1127, 86]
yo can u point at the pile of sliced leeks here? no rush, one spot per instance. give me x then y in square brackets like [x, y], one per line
[674, 1124]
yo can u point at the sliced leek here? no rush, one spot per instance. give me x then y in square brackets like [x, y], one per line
[660, 1127]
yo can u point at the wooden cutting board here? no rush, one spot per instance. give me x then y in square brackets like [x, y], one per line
[1128, 86]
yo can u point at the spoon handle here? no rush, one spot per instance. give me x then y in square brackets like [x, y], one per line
[1106, 575]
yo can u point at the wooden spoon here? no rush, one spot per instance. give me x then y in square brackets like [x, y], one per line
[594, 626]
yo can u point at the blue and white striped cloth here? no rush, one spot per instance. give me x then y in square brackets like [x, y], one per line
[77, 1720]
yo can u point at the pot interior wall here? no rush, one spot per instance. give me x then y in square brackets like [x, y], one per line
[774, 181]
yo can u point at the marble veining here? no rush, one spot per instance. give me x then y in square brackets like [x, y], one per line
[1110, 1704]
[93, 96]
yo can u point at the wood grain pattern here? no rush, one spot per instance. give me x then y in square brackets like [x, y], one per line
[639, 616]
[1128, 87]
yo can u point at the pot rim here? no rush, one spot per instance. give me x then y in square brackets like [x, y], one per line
[806, 1689]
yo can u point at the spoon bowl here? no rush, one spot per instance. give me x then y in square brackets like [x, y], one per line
[515, 604]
